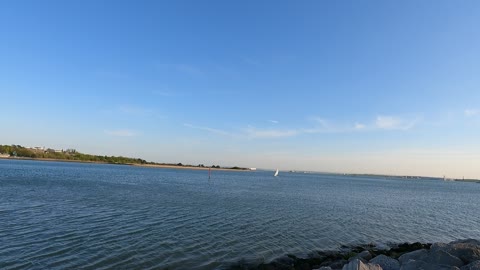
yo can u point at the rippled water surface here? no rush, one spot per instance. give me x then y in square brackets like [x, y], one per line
[57, 215]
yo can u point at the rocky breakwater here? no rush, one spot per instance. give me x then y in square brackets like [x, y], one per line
[457, 255]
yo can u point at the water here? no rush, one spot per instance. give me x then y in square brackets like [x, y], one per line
[56, 215]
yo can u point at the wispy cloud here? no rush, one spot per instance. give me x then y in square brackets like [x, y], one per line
[321, 121]
[121, 133]
[247, 133]
[320, 125]
[359, 126]
[471, 112]
[252, 132]
[394, 123]
[212, 130]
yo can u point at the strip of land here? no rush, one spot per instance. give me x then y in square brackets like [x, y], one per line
[72, 155]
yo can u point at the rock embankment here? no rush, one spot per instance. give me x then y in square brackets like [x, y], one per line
[457, 255]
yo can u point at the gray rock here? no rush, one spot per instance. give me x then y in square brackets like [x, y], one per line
[357, 264]
[421, 265]
[441, 257]
[438, 246]
[466, 241]
[338, 264]
[386, 262]
[364, 256]
[412, 265]
[285, 260]
[467, 250]
[472, 266]
[414, 255]
[324, 268]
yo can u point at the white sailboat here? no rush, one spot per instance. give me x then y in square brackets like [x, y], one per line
[276, 173]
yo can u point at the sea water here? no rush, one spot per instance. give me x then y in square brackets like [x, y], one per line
[59, 215]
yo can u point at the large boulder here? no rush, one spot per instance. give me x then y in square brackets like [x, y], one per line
[338, 264]
[363, 256]
[438, 246]
[386, 262]
[471, 266]
[441, 257]
[357, 264]
[412, 265]
[466, 241]
[467, 250]
[420, 254]
[421, 265]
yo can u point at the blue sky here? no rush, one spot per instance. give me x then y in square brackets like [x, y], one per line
[343, 86]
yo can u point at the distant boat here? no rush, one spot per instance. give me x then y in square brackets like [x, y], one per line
[276, 173]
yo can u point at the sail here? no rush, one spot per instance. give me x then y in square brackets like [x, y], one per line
[276, 173]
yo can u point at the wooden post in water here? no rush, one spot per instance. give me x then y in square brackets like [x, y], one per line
[209, 173]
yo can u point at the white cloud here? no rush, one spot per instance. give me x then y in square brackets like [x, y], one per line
[472, 112]
[250, 132]
[121, 133]
[212, 130]
[320, 126]
[394, 123]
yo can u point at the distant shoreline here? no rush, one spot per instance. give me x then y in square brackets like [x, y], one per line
[159, 166]
[187, 167]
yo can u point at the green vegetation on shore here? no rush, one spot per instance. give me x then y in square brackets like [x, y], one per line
[69, 154]
[73, 155]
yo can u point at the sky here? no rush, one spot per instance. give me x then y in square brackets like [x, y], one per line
[387, 87]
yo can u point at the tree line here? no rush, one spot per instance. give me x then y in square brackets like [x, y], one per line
[69, 154]
[74, 155]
